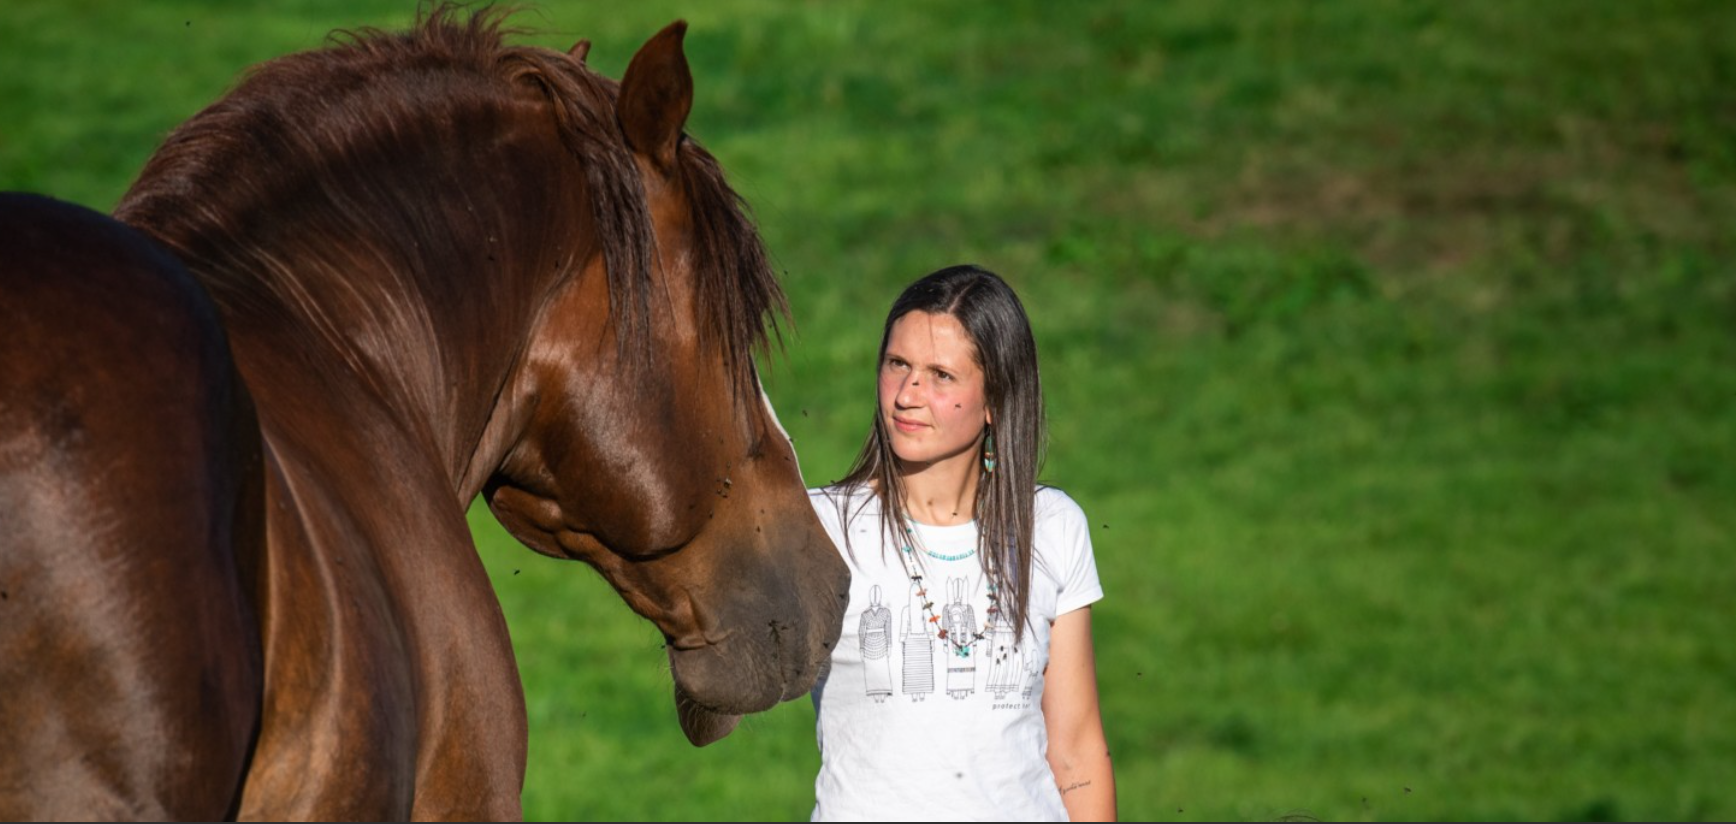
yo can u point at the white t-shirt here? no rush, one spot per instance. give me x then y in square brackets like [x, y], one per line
[914, 726]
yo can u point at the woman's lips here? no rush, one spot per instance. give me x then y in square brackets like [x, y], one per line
[906, 425]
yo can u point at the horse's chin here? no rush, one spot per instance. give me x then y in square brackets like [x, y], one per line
[702, 726]
[716, 685]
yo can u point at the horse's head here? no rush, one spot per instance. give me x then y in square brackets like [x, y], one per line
[642, 444]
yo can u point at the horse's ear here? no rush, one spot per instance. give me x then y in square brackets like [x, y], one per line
[580, 50]
[656, 94]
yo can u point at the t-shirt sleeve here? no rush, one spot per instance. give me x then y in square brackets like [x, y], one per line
[1066, 540]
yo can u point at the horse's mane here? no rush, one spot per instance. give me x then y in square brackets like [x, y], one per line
[298, 142]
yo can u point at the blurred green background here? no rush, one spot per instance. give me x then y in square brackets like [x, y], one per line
[1390, 347]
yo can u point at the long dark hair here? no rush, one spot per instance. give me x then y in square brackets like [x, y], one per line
[1006, 352]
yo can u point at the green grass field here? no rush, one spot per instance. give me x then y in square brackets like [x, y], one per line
[1391, 348]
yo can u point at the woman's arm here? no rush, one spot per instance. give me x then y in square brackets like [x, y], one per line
[1078, 752]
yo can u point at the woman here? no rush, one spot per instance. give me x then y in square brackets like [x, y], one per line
[980, 700]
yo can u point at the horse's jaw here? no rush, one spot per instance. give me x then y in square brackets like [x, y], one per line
[715, 687]
[702, 726]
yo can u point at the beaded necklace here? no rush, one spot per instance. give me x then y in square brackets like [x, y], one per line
[960, 648]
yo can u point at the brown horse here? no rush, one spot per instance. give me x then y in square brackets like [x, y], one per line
[239, 428]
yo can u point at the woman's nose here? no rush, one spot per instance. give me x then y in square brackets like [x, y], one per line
[909, 393]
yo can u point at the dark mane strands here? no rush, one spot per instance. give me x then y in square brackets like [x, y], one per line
[277, 125]
[735, 281]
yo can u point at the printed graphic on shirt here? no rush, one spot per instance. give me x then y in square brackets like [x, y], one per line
[918, 647]
[959, 622]
[875, 634]
[1030, 677]
[948, 635]
[994, 666]
[1007, 670]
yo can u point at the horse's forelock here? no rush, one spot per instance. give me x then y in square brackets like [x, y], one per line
[734, 279]
[583, 105]
[735, 285]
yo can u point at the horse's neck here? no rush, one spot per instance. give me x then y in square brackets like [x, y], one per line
[327, 387]
[420, 347]
[371, 586]
[407, 277]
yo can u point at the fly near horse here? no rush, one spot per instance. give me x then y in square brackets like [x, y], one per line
[240, 421]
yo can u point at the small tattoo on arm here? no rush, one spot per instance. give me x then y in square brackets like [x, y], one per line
[1074, 786]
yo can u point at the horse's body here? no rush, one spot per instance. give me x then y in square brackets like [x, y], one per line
[128, 648]
[237, 438]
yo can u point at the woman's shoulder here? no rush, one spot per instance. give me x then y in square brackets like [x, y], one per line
[837, 494]
[1053, 504]
[838, 501]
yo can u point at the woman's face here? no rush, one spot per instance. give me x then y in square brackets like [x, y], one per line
[932, 396]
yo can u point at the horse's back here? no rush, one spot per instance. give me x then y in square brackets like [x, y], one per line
[129, 521]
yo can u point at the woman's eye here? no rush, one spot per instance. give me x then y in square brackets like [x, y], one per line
[943, 376]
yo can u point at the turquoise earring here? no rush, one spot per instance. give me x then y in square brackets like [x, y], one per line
[989, 453]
